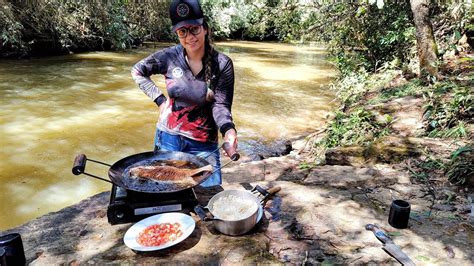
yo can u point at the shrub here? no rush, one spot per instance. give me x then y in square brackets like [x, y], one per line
[460, 169]
[11, 39]
[447, 117]
[361, 35]
[358, 127]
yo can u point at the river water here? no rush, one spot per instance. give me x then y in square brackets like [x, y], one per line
[57, 107]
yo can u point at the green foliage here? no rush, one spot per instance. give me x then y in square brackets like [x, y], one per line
[412, 88]
[44, 27]
[227, 18]
[307, 165]
[11, 28]
[451, 20]
[352, 87]
[260, 19]
[364, 36]
[460, 169]
[116, 27]
[360, 35]
[446, 116]
[358, 127]
[426, 167]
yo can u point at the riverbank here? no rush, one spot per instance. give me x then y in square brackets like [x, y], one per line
[318, 217]
[320, 214]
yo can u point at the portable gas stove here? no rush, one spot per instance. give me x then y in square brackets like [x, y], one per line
[132, 200]
[130, 206]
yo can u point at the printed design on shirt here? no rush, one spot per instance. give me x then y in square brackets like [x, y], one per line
[195, 121]
[182, 10]
[177, 72]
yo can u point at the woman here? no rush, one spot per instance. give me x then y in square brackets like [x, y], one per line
[200, 85]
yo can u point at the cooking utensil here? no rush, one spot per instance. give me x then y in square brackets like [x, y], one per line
[13, 252]
[3, 257]
[399, 214]
[119, 172]
[241, 226]
[264, 194]
[233, 154]
[186, 222]
[389, 246]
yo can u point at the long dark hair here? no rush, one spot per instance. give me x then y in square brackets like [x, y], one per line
[207, 60]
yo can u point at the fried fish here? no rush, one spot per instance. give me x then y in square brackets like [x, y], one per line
[167, 173]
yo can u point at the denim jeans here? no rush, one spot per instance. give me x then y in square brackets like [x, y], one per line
[168, 142]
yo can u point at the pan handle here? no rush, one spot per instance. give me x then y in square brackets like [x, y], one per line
[266, 193]
[274, 190]
[233, 154]
[79, 167]
[199, 210]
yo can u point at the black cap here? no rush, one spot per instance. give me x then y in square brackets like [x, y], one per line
[184, 12]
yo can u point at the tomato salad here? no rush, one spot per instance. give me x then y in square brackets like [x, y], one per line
[159, 234]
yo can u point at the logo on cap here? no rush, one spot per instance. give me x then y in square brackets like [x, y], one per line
[177, 72]
[182, 10]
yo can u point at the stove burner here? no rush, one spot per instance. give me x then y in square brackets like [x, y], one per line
[130, 206]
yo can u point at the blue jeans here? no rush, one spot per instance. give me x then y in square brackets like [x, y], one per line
[168, 142]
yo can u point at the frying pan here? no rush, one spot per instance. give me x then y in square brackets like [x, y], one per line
[120, 176]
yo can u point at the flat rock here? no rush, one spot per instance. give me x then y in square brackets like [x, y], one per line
[269, 169]
[406, 113]
[391, 149]
[319, 216]
[344, 176]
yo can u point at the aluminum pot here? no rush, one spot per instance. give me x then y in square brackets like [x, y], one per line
[236, 227]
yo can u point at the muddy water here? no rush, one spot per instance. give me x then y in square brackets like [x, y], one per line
[54, 108]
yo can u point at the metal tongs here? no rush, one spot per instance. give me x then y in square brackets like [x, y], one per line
[233, 155]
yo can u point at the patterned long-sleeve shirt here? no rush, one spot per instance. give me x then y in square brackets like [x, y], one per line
[188, 113]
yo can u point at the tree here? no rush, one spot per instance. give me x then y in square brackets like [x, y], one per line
[425, 42]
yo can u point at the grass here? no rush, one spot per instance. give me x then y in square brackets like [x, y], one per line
[447, 110]
[412, 88]
[461, 165]
[458, 131]
[358, 127]
[307, 165]
[351, 88]
[426, 168]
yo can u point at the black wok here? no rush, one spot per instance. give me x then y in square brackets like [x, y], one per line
[120, 176]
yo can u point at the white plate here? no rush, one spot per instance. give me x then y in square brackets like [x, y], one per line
[187, 227]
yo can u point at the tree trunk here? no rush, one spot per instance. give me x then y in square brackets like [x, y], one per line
[425, 42]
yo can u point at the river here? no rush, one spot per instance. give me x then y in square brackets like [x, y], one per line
[57, 107]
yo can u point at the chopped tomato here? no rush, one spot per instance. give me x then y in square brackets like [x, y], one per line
[159, 234]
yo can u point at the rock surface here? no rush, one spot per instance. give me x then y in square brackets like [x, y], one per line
[390, 149]
[258, 150]
[318, 217]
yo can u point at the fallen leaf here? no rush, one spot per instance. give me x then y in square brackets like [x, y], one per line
[422, 258]
[395, 233]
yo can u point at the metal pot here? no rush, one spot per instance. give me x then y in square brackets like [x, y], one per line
[236, 227]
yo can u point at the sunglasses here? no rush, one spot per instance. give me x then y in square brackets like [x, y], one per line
[183, 32]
